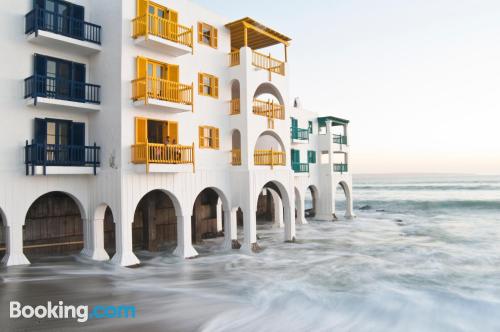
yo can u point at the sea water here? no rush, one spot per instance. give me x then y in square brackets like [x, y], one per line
[423, 254]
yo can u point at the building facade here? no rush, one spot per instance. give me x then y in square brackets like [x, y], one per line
[143, 125]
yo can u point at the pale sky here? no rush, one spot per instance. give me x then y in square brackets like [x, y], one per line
[419, 79]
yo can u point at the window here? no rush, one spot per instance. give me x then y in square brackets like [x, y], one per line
[61, 17]
[295, 156]
[311, 157]
[207, 34]
[295, 123]
[208, 85]
[310, 127]
[209, 137]
[63, 137]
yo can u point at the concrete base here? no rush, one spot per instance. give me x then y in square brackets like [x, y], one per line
[185, 252]
[125, 259]
[99, 255]
[15, 259]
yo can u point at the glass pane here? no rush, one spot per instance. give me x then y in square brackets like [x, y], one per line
[49, 5]
[150, 69]
[51, 68]
[152, 10]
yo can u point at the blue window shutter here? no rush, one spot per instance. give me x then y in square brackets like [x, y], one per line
[78, 133]
[40, 130]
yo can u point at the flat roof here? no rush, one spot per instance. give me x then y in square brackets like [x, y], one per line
[335, 121]
[259, 35]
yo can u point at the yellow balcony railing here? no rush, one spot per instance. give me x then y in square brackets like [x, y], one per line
[155, 88]
[236, 157]
[234, 58]
[234, 106]
[268, 63]
[153, 25]
[153, 153]
[270, 109]
[269, 158]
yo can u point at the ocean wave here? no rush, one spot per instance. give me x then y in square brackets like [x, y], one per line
[392, 205]
[427, 187]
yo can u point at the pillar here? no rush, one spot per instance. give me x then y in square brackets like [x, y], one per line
[289, 220]
[230, 229]
[185, 247]
[278, 209]
[301, 213]
[249, 227]
[219, 215]
[349, 212]
[124, 255]
[14, 246]
[94, 241]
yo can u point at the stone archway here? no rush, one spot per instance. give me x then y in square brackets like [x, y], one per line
[343, 200]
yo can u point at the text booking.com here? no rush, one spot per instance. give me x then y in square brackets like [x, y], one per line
[61, 311]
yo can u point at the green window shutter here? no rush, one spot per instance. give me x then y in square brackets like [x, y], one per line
[295, 156]
[295, 123]
[311, 157]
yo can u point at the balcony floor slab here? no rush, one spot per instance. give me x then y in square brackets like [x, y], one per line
[63, 43]
[162, 45]
[50, 103]
[64, 170]
[164, 168]
[162, 105]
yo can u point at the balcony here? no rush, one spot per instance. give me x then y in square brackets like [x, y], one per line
[62, 31]
[300, 167]
[269, 109]
[268, 63]
[162, 94]
[236, 157]
[269, 158]
[339, 139]
[50, 159]
[162, 35]
[234, 58]
[58, 92]
[299, 135]
[164, 158]
[234, 107]
[340, 168]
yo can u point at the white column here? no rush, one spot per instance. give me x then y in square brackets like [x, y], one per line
[14, 246]
[95, 249]
[124, 255]
[184, 247]
[219, 215]
[230, 228]
[301, 212]
[278, 209]
[349, 212]
[250, 228]
[289, 221]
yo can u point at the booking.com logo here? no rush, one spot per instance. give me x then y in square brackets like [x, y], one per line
[61, 311]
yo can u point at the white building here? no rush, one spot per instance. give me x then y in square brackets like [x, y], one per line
[136, 124]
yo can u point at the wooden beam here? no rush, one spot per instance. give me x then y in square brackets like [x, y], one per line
[259, 30]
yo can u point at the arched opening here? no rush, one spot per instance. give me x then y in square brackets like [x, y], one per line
[53, 226]
[267, 91]
[235, 98]
[271, 206]
[341, 200]
[207, 219]
[236, 148]
[109, 232]
[311, 201]
[240, 232]
[3, 223]
[299, 207]
[155, 222]
[269, 150]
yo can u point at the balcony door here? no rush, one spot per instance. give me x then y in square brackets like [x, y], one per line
[60, 79]
[61, 17]
[160, 19]
[60, 142]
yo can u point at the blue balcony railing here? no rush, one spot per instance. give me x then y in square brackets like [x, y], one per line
[300, 167]
[59, 88]
[41, 19]
[299, 134]
[38, 154]
[340, 168]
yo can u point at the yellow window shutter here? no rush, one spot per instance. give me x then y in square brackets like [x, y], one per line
[200, 83]
[141, 7]
[141, 130]
[173, 132]
[141, 65]
[216, 138]
[200, 32]
[214, 40]
[216, 87]
[173, 16]
[201, 138]
[173, 73]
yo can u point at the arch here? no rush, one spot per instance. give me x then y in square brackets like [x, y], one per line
[54, 224]
[299, 207]
[209, 210]
[236, 139]
[269, 89]
[235, 89]
[347, 205]
[269, 139]
[311, 200]
[155, 221]
[103, 213]
[284, 195]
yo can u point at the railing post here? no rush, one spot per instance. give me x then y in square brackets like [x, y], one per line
[272, 158]
[26, 158]
[147, 158]
[44, 152]
[192, 97]
[269, 67]
[32, 161]
[193, 161]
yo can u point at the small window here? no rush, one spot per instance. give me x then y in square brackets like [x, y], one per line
[325, 157]
[209, 137]
[311, 157]
[310, 127]
[207, 35]
[208, 85]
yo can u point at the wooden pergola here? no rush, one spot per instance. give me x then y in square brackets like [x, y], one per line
[250, 33]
